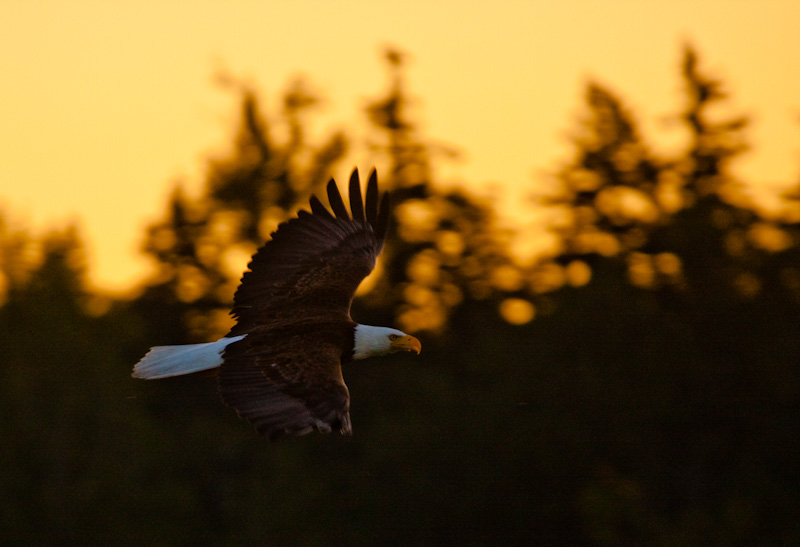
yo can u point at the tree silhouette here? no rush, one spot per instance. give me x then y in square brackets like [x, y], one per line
[698, 333]
[617, 199]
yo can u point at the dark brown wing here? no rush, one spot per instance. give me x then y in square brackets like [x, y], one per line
[286, 386]
[293, 305]
[315, 262]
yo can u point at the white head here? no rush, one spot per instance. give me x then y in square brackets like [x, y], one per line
[375, 341]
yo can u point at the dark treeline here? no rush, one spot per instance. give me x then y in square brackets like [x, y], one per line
[637, 384]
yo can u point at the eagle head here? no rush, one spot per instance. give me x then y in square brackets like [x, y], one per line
[375, 341]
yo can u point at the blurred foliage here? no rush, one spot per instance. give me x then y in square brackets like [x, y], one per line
[652, 401]
[202, 245]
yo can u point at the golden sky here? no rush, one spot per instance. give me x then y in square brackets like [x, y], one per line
[105, 104]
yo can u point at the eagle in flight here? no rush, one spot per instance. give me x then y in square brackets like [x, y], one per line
[280, 365]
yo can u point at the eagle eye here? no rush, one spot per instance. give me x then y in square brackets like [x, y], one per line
[393, 337]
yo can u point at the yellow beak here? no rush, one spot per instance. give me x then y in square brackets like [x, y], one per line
[407, 343]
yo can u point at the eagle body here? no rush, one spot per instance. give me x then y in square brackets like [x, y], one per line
[280, 365]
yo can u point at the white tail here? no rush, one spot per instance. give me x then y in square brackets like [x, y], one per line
[166, 361]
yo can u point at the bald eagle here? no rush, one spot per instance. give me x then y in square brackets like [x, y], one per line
[280, 365]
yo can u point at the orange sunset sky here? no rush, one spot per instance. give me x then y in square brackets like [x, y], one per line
[106, 104]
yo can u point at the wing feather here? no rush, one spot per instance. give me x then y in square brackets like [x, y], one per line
[356, 203]
[372, 199]
[335, 199]
[319, 209]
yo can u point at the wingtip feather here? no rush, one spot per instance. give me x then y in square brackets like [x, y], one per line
[372, 199]
[318, 208]
[336, 202]
[356, 202]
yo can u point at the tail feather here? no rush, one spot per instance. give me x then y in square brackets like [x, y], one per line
[166, 361]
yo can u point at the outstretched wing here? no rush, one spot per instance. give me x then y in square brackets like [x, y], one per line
[293, 305]
[315, 262]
